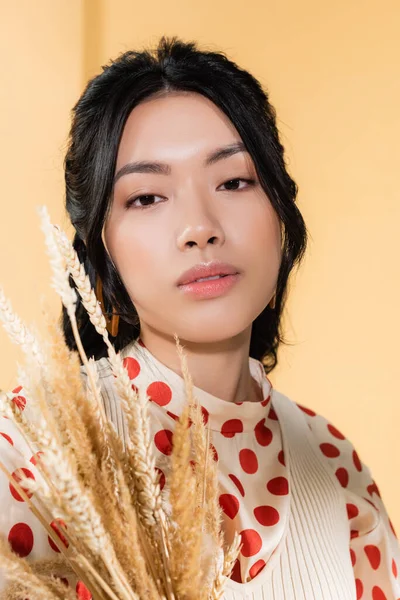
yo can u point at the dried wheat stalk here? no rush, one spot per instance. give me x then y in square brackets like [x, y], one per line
[100, 487]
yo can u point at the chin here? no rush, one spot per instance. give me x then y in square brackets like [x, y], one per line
[212, 332]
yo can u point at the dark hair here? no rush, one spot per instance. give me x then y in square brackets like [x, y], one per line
[98, 119]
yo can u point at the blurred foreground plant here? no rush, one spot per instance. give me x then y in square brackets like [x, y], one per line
[115, 531]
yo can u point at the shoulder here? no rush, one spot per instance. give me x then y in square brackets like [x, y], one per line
[340, 453]
[364, 502]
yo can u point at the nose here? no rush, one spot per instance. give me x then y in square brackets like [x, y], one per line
[199, 228]
[197, 236]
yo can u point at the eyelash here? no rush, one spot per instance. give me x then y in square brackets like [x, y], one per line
[130, 202]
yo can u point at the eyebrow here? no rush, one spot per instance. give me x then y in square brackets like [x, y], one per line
[160, 168]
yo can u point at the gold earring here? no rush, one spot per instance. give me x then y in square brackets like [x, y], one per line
[272, 302]
[113, 323]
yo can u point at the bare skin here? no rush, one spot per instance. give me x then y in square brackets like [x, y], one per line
[193, 217]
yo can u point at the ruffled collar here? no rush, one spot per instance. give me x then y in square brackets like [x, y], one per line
[168, 391]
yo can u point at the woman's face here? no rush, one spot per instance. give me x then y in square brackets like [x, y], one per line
[191, 215]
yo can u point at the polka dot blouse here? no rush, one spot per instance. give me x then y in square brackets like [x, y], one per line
[310, 516]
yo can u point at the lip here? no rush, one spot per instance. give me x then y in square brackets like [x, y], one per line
[211, 288]
[211, 269]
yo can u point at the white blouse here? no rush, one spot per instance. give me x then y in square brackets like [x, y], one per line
[310, 516]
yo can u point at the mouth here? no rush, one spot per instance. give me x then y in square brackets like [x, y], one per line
[208, 278]
[213, 270]
[210, 287]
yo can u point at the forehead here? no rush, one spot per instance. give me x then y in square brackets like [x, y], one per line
[176, 126]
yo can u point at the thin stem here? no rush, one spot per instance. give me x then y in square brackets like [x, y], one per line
[50, 531]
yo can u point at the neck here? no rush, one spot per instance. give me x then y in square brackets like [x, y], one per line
[219, 368]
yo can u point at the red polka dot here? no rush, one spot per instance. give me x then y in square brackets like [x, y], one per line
[20, 537]
[159, 392]
[57, 526]
[266, 401]
[238, 484]
[377, 489]
[394, 568]
[82, 591]
[214, 452]
[342, 476]
[272, 414]
[170, 414]
[354, 534]
[248, 461]
[20, 401]
[373, 489]
[36, 457]
[329, 450]
[308, 411]
[266, 515]
[229, 428]
[256, 568]
[335, 432]
[279, 486]
[353, 557]
[374, 555]
[162, 478]
[163, 441]
[236, 575]
[263, 433]
[377, 593]
[205, 414]
[356, 461]
[132, 366]
[251, 542]
[7, 437]
[281, 458]
[17, 477]
[229, 504]
[352, 511]
[17, 389]
[359, 588]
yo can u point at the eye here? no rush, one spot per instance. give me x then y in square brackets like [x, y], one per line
[143, 198]
[250, 183]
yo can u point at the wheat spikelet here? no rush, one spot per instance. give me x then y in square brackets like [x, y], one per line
[228, 561]
[138, 448]
[68, 401]
[187, 538]
[133, 407]
[17, 331]
[19, 571]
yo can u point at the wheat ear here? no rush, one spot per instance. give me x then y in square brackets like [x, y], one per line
[138, 447]
[60, 282]
[187, 536]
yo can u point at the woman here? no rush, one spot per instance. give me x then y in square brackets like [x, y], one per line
[186, 222]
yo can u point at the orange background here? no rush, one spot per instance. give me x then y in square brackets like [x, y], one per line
[333, 72]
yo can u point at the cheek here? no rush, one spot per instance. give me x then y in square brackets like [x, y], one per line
[260, 231]
[137, 253]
